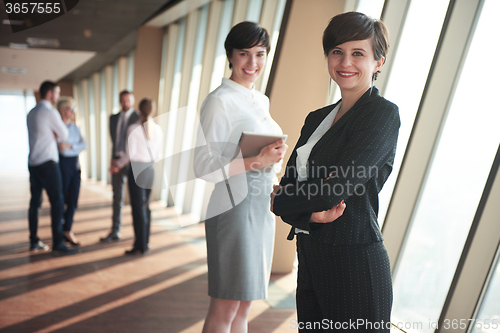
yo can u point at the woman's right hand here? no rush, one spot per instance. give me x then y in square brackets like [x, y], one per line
[328, 216]
[272, 153]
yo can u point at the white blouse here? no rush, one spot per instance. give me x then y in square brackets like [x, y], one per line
[304, 151]
[140, 148]
[225, 114]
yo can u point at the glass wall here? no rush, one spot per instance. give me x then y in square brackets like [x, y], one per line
[408, 76]
[453, 187]
[14, 106]
[488, 317]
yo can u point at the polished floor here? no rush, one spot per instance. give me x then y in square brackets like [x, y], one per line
[101, 290]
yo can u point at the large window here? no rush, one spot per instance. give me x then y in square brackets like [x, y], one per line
[454, 184]
[488, 318]
[14, 106]
[412, 62]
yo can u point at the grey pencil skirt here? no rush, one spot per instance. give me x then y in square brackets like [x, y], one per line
[240, 242]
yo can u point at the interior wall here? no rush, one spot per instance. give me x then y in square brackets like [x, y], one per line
[66, 88]
[147, 63]
[300, 84]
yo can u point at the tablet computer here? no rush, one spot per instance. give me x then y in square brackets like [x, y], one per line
[251, 143]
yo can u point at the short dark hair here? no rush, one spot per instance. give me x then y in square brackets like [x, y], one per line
[352, 26]
[125, 92]
[47, 86]
[246, 35]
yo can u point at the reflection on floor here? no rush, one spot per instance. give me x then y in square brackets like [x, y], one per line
[101, 290]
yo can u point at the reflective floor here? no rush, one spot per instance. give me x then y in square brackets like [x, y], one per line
[101, 290]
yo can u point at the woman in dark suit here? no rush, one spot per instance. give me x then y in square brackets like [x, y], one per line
[329, 194]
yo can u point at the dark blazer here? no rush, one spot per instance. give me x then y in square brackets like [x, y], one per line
[113, 127]
[357, 152]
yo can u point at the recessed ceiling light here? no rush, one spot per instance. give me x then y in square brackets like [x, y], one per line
[43, 42]
[13, 70]
[87, 33]
[18, 45]
[12, 22]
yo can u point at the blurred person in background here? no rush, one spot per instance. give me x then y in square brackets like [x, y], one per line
[69, 164]
[45, 129]
[143, 147]
[118, 124]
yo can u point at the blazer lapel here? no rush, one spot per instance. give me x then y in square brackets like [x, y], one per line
[368, 96]
[309, 130]
[113, 120]
[133, 118]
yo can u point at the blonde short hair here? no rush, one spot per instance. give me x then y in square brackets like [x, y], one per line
[64, 101]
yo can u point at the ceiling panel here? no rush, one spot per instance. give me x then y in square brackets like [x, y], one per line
[104, 27]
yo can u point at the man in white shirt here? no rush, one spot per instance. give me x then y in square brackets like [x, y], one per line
[118, 125]
[45, 127]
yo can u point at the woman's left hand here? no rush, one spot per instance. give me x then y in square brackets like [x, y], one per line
[328, 216]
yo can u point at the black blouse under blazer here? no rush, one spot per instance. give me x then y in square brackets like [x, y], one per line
[357, 152]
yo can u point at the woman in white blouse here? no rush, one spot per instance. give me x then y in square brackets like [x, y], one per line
[143, 148]
[239, 226]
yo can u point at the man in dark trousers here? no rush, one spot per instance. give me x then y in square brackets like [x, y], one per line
[118, 124]
[45, 128]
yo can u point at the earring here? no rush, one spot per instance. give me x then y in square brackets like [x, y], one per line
[374, 77]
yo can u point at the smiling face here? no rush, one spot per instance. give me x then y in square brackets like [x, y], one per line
[352, 64]
[248, 65]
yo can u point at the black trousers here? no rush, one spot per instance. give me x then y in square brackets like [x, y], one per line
[118, 185]
[46, 176]
[71, 180]
[140, 193]
[346, 288]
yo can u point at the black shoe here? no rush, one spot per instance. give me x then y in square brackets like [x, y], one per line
[135, 251]
[62, 250]
[112, 237]
[70, 241]
[39, 246]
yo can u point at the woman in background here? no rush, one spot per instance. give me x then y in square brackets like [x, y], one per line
[143, 147]
[240, 227]
[70, 166]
